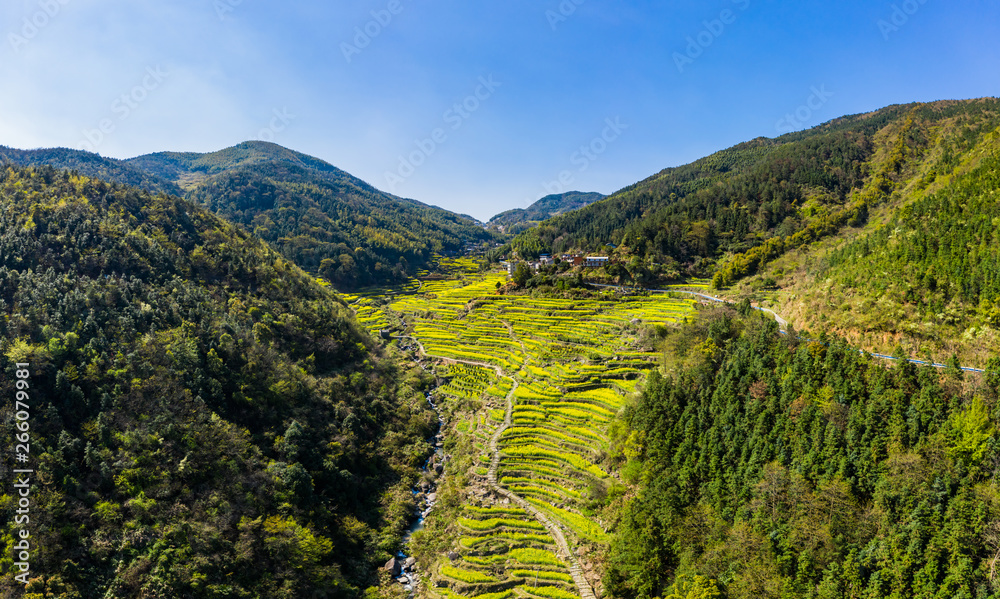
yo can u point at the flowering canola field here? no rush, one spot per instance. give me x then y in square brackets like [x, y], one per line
[565, 367]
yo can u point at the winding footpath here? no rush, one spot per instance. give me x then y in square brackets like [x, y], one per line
[554, 529]
[586, 591]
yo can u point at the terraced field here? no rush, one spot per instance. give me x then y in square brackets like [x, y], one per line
[696, 284]
[550, 375]
[368, 305]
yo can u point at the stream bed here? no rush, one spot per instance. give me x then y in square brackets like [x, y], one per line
[404, 567]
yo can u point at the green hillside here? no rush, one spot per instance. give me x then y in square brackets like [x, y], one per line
[521, 219]
[787, 469]
[90, 165]
[322, 218]
[176, 166]
[733, 212]
[318, 216]
[206, 420]
[925, 276]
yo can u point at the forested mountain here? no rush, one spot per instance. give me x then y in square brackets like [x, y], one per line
[734, 211]
[926, 276]
[191, 166]
[206, 420]
[521, 219]
[768, 467]
[318, 216]
[91, 165]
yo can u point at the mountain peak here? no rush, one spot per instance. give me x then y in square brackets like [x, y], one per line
[520, 219]
[177, 165]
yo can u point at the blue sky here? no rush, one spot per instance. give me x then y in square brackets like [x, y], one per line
[477, 107]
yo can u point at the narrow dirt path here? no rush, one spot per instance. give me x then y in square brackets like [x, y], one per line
[554, 529]
[563, 549]
[510, 330]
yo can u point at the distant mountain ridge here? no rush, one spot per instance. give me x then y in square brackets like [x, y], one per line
[91, 165]
[520, 219]
[323, 218]
[177, 166]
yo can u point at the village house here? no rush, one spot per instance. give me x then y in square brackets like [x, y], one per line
[574, 259]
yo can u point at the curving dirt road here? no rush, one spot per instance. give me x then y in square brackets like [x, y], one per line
[784, 325]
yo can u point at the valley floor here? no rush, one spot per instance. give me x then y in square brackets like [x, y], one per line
[534, 384]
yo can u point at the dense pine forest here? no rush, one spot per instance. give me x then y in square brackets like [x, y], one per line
[766, 466]
[206, 419]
